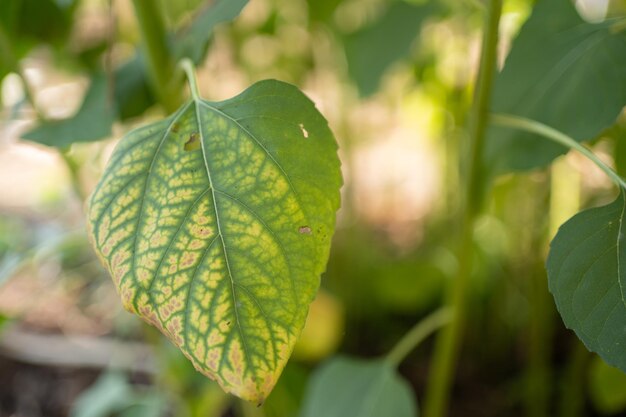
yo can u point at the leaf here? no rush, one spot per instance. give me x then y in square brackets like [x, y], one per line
[31, 21]
[322, 10]
[564, 72]
[193, 42]
[617, 133]
[221, 245]
[92, 122]
[132, 91]
[345, 387]
[585, 277]
[373, 49]
[110, 393]
[9, 264]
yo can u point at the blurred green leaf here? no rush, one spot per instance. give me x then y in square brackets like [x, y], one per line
[9, 263]
[3, 320]
[408, 286]
[606, 387]
[132, 91]
[26, 23]
[562, 71]
[345, 387]
[584, 276]
[29, 21]
[194, 40]
[110, 393]
[322, 10]
[618, 134]
[371, 50]
[177, 10]
[288, 393]
[92, 122]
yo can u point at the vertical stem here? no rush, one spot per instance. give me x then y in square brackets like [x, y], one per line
[564, 203]
[161, 64]
[572, 402]
[449, 340]
[538, 373]
[73, 169]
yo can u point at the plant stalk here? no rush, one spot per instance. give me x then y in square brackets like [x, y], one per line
[73, 169]
[189, 69]
[572, 403]
[161, 65]
[538, 372]
[417, 334]
[554, 135]
[449, 340]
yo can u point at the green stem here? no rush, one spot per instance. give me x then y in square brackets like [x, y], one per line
[190, 72]
[417, 334]
[449, 340]
[73, 169]
[558, 137]
[160, 62]
[538, 372]
[572, 402]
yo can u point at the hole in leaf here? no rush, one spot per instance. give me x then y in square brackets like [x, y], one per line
[305, 230]
[305, 132]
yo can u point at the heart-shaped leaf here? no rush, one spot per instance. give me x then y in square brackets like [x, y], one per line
[563, 72]
[215, 225]
[587, 278]
[346, 387]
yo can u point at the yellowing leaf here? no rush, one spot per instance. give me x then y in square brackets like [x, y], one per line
[216, 224]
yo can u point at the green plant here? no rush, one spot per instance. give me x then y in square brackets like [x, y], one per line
[216, 223]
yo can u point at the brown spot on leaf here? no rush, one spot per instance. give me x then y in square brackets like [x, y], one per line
[305, 230]
[193, 142]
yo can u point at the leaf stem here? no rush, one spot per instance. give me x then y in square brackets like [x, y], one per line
[417, 334]
[160, 62]
[449, 340]
[74, 171]
[187, 65]
[554, 135]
